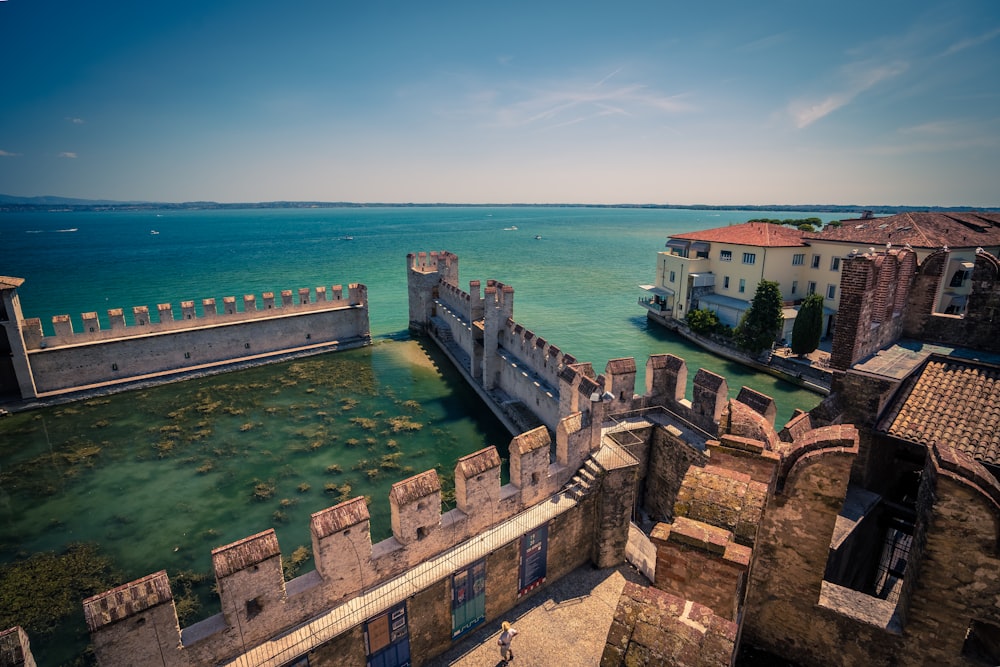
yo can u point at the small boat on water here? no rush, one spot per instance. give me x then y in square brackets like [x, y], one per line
[538, 237]
[512, 228]
[153, 232]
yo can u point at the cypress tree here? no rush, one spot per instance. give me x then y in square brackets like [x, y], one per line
[761, 324]
[808, 327]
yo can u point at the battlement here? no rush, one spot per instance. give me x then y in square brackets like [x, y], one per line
[254, 595]
[544, 359]
[442, 262]
[176, 344]
[143, 325]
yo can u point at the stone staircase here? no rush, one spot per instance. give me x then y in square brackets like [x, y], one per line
[586, 479]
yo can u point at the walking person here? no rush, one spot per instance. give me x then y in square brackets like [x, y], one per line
[506, 637]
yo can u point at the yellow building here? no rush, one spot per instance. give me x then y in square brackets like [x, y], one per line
[719, 269]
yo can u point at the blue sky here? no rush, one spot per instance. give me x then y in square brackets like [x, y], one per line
[712, 102]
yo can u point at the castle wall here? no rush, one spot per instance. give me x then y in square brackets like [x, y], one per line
[669, 460]
[701, 562]
[793, 546]
[15, 373]
[873, 293]
[666, 380]
[257, 603]
[424, 272]
[73, 361]
[956, 579]
[15, 648]
[975, 326]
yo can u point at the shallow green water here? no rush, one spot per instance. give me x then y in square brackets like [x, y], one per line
[160, 477]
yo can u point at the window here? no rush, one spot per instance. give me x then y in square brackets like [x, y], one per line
[726, 255]
[835, 264]
[795, 286]
[812, 288]
[725, 282]
[743, 285]
[831, 291]
[254, 607]
[959, 278]
[673, 276]
[815, 263]
[798, 259]
[749, 258]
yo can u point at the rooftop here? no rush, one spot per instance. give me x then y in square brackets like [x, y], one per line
[950, 401]
[761, 234]
[919, 230]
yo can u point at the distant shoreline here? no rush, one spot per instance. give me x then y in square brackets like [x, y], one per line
[10, 204]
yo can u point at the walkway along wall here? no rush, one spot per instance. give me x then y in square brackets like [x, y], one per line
[307, 322]
[268, 621]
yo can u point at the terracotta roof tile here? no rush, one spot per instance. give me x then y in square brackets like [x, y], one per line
[920, 230]
[763, 234]
[951, 402]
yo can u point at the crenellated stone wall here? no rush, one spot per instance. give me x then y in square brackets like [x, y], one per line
[137, 621]
[874, 288]
[886, 296]
[156, 351]
[15, 649]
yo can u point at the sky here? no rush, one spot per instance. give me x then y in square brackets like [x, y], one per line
[660, 102]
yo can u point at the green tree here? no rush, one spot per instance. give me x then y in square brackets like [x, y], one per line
[761, 324]
[702, 320]
[808, 327]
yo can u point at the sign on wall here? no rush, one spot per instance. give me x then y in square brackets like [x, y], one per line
[534, 552]
[387, 639]
[468, 598]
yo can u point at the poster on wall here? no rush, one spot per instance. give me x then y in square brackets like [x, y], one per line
[387, 639]
[534, 552]
[468, 598]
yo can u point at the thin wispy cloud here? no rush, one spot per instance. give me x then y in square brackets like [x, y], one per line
[68, 154]
[4, 153]
[859, 78]
[971, 42]
[74, 120]
[562, 104]
[934, 128]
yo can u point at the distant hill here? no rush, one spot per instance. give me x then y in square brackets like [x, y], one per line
[13, 203]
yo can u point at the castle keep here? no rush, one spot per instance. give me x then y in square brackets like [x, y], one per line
[864, 532]
[33, 365]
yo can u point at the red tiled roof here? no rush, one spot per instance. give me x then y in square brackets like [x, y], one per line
[952, 402]
[920, 230]
[763, 234]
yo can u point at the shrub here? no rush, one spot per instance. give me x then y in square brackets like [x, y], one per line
[702, 321]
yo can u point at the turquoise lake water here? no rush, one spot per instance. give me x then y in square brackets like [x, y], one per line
[159, 477]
